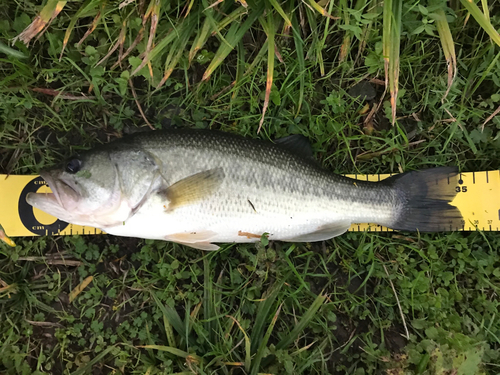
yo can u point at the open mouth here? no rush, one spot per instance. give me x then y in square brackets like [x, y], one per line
[63, 192]
[51, 184]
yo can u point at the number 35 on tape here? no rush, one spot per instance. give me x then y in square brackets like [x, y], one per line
[478, 199]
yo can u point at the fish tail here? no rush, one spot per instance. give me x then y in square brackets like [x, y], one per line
[424, 200]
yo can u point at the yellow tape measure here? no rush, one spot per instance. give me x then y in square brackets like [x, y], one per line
[478, 199]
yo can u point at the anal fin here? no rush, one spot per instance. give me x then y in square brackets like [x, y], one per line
[197, 240]
[207, 246]
[324, 232]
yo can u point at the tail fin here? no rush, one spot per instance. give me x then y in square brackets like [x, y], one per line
[425, 198]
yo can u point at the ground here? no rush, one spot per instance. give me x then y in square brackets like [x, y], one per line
[362, 303]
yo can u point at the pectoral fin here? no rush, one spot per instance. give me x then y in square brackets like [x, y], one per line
[194, 188]
[198, 240]
[324, 232]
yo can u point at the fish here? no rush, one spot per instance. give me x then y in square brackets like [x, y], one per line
[201, 188]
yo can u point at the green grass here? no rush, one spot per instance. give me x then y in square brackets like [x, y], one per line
[326, 308]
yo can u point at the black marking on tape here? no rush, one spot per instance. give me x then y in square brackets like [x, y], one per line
[27, 215]
[473, 177]
[487, 178]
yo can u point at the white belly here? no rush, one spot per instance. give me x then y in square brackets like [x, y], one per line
[153, 221]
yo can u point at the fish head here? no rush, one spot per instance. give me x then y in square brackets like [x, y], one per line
[85, 191]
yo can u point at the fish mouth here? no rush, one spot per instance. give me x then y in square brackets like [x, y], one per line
[64, 194]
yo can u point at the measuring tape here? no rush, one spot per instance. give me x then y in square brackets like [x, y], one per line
[478, 199]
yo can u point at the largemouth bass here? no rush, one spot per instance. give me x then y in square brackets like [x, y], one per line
[199, 188]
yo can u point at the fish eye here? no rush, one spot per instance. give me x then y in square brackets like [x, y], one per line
[73, 166]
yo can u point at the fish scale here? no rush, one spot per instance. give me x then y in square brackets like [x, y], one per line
[204, 187]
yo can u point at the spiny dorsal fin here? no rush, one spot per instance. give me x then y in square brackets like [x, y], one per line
[194, 188]
[298, 144]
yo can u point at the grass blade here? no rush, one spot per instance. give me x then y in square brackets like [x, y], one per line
[173, 318]
[95, 22]
[11, 51]
[168, 331]
[260, 352]
[86, 10]
[168, 349]
[233, 36]
[344, 48]
[233, 16]
[482, 20]
[240, 69]
[119, 43]
[200, 40]
[247, 344]
[208, 309]
[87, 369]
[314, 5]
[391, 40]
[262, 314]
[306, 318]
[299, 51]
[177, 49]
[270, 64]
[150, 52]
[448, 46]
[282, 13]
[41, 22]
[316, 44]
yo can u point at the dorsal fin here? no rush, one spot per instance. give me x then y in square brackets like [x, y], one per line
[298, 144]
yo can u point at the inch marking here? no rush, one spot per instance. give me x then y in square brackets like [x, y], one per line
[487, 178]
[473, 177]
